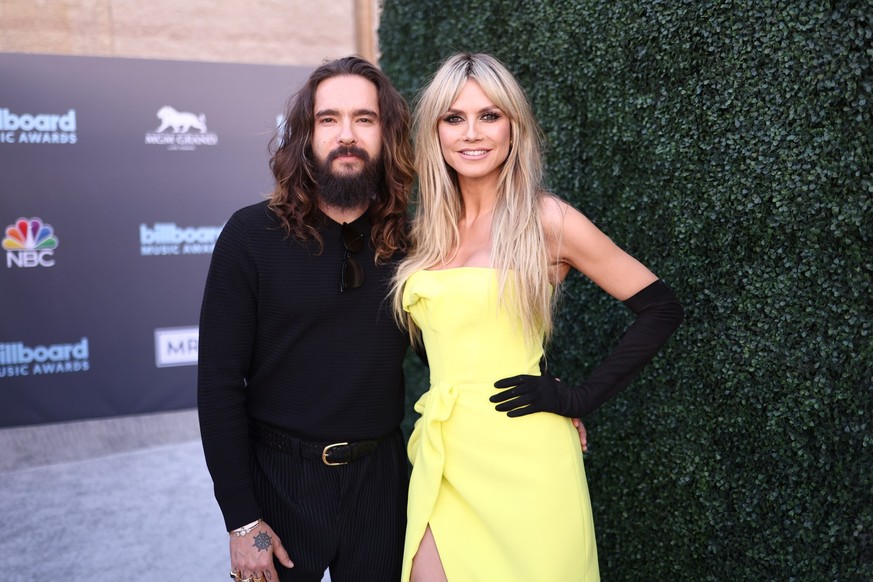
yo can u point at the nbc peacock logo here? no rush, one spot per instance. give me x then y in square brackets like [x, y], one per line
[30, 243]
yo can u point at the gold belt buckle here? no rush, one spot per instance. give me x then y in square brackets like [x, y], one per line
[324, 455]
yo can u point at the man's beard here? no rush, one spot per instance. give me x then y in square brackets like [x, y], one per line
[348, 191]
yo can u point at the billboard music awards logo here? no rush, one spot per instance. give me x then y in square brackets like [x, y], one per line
[38, 128]
[165, 238]
[19, 359]
[180, 130]
[30, 243]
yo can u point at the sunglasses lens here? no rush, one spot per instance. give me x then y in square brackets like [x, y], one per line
[353, 274]
[352, 239]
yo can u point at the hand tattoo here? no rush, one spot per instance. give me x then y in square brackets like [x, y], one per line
[263, 541]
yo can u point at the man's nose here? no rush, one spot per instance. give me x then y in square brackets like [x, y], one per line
[347, 133]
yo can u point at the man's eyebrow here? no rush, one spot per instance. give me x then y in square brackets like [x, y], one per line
[355, 113]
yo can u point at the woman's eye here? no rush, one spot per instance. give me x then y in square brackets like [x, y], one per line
[491, 116]
[453, 119]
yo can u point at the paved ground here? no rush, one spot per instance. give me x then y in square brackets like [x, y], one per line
[120, 499]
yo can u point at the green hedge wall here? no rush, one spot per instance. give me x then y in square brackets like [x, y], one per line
[726, 144]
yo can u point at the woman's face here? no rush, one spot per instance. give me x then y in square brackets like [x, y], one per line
[474, 135]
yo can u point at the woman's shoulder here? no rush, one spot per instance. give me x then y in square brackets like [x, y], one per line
[555, 211]
[565, 226]
[551, 206]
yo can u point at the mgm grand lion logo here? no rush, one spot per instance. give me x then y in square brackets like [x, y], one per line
[180, 121]
[180, 130]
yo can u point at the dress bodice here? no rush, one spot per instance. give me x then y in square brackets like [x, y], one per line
[470, 336]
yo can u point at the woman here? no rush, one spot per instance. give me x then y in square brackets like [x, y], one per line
[502, 495]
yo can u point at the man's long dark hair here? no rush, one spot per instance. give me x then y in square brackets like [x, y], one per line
[295, 196]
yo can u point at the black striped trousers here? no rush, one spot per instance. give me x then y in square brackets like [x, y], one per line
[351, 518]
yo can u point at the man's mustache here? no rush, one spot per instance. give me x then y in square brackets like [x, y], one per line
[348, 151]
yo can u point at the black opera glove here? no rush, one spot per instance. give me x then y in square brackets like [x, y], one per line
[658, 314]
[529, 394]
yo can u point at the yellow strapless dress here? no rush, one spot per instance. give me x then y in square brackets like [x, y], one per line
[506, 498]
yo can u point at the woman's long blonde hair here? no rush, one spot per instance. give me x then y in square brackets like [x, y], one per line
[518, 244]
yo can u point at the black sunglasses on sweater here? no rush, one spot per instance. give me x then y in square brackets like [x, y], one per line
[353, 274]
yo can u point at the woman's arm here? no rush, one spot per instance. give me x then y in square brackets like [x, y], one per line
[575, 242]
[583, 246]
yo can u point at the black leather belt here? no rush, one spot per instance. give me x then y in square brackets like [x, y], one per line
[331, 454]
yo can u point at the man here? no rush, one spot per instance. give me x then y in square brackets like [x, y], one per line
[300, 382]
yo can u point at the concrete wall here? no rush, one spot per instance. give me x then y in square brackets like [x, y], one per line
[276, 32]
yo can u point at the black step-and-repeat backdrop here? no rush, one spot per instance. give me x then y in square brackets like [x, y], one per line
[116, 176]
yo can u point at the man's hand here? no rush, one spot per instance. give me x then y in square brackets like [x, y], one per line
[251, 555]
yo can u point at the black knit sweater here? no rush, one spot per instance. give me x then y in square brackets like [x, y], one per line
[280, 343]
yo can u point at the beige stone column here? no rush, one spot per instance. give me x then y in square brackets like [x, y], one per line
[365, 29]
